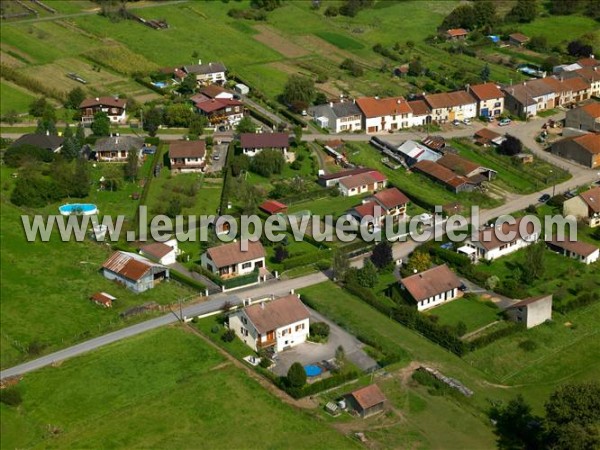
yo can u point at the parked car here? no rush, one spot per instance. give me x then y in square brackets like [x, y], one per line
[463, 287]
[216, 156]
[504, 122]
[467, 121]
[456, 122]
[544, 198]
[426, 218]
[222, 128]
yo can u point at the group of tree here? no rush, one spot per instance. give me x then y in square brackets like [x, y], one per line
[46, 115]
[524, 11]
[298, 92]
[365, 277]
[566, 7]
[74, 98]
[480, 14]
[352, 67]
[268, 162]
[578, 48]
[174, 115]
[73, 142]
[246, 125]
[571, 421]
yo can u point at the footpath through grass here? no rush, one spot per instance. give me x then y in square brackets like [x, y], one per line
[164, 389]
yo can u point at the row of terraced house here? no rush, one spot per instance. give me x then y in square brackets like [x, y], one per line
[375, 115]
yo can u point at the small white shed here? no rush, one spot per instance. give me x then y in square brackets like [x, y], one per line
[241, 89]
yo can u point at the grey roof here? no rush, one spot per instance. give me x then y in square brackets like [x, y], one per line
[48, 142]
[338, 110]
[122, 143]
[203, 69]
[527, 91]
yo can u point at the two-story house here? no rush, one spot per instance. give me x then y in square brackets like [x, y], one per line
[385, 114]
[221, 111]
[278, 324]
[340, 117]
[432, 287]
[114, 107]
[389, 203]
[529, 97]
[211, 73]
[585, 206]
[231, 260]
[500, 240]
[450, 106]
[187, 156]
[490, 99]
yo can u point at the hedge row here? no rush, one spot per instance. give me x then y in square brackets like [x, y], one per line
[318, 386]
[584, 299]
[487, 339]
[183, 279]
[260, 117]
[240, 280]
[307, 258]
[149, 85]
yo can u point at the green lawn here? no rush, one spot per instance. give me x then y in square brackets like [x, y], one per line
[334, 206]
[474, 312]
[13, 98]
[166, 388]
[570, 27]
[513, 176]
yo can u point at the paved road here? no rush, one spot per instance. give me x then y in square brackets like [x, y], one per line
[214, 303]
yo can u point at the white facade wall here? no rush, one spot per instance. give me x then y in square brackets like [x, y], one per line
[347, 124]
[437, 300]
[285, 337]
[242, 268]
[494, 106]
[361, 189]
[505, 249]
[388, 123]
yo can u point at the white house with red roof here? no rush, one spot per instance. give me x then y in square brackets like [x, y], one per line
[432, 287]
[162, 252]
[490, 99]
[278, 324]
[231, 260]
[362, 183]
[389, 202]
[385, 114]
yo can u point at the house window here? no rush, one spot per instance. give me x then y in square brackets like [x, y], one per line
[246, 265]
[244, 320]
[300, 327]
[284, 332]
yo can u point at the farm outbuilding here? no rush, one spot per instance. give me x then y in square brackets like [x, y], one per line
[241, 89]
[367, 401]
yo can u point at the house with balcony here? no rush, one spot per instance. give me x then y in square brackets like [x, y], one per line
[389, 203]
[234, 259]
[585, 206]
[385, 114]
[114, 107]
[210, 73]
[220, 111]
[276, 324]
[490, 99]
[187, 156]
[499, 240]
[450, 106]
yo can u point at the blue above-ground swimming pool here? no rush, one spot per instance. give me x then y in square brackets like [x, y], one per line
[159, 84]
[312, 370]
[86, 209]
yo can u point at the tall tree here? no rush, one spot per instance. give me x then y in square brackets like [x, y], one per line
[340, 264]
[188, 85]
[197, 124]
[101, 124]
[178, 115]
[382, 255]
[510, 146]
[485, 73]
[298, 135]
[516, 426]
[152, 120]
[419, 261]
[534, 261]
[46, 126]
[74, 98]
[80, 186]
[133, 164]
[524, 11]
[246, 125]
[367, 275]
[296, 376]
[485, 14]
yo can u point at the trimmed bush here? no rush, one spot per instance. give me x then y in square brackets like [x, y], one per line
[10, 396]
[228, 335]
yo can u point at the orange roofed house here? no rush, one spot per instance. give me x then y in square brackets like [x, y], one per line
[432, 287]
[385, 114]
[134, 271]
[187, 156]
[455, 34]
[367, 401]
[230, 260]
[584, 118]
[390, 203]
[449, 106]
[490, 99]
[278, 324]
[585, 206]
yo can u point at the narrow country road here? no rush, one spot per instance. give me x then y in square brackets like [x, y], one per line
[214, 303]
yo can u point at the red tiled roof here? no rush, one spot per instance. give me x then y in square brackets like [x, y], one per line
[368, 396]
[449, 99]
[486, 91]
[455, 32]
[440, 173]
[232, 253]
[268, 316]
[592, 198]
[592, 109]
[216, 104]
[458, 164]
[366, 209]
[589, 142]
[589, 62]
[264, 140]
[419, 107]
[378, 176]
[363, 179]
[392, 197]
[187, 149]
[488, 134]
[212, 91]
[103, 101]
[273, 207]
[377, 107]
[576, 84]
[519, 37]
[157, 249]
[431, 282]
[489, 238]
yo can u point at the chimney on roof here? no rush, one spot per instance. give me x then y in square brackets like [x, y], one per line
[262, 305]
[592, 56]
[377, 97]
[97, 99]
[468, 87]
[331, 104]
[398, 101]
[199, 62]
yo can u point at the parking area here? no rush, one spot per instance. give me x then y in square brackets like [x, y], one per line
[217, 160]
[310, 352]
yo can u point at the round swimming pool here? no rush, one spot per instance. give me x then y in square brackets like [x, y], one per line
[312, 370]
[86, 209]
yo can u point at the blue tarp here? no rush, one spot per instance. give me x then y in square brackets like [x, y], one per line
[495, 39]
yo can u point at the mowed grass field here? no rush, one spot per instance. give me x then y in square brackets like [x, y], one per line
[14, 98]
[475, 313]
[164, 389]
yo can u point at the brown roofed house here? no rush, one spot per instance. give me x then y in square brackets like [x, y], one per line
[518, 39]
[103, 299]
[134, 271]
[367, 401]
[455, 34]
[583, 149]
[432, 287]
[253, 143]
[280, 323]
[187, 156]
[161, 252]
[585, 206]
[231, 260]
[585, 118]
[487, 137]
[114, 107]
[579, 250]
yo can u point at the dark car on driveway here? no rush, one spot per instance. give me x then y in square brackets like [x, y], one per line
[544, 198]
